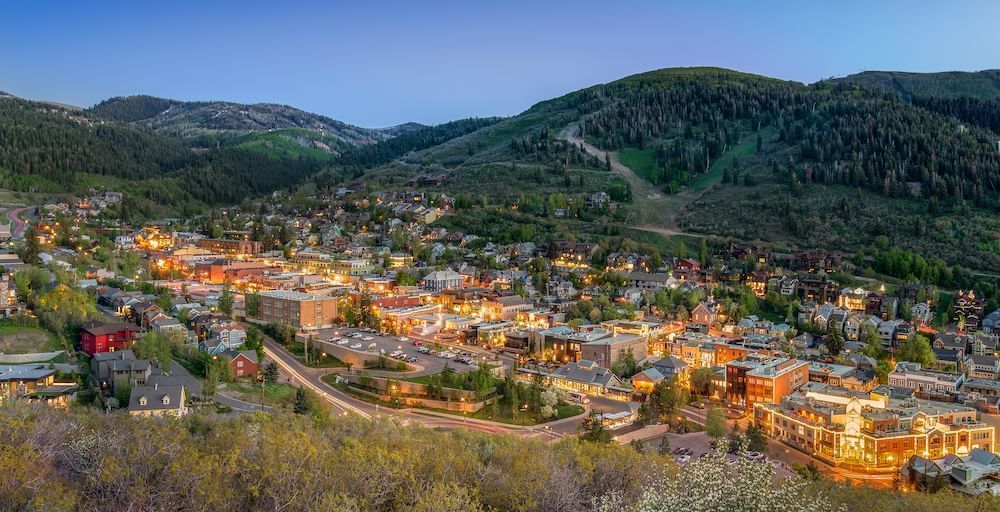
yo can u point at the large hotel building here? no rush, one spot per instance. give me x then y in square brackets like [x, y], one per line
[300, 310]
[845, 427]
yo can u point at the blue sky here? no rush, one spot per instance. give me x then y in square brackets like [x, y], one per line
[379, 63]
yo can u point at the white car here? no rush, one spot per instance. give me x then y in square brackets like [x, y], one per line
[404, 338]
[343, 341]
[683, 458]
[367, 338]
[356, 346]
[755, 456]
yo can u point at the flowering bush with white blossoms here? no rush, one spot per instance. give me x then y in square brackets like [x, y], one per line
[713, 484]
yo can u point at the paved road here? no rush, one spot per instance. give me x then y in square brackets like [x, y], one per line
[195, 387]
[344, 404]
[17, 224]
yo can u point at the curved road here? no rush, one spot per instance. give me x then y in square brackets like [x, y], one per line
[17, 226]
[344, 404]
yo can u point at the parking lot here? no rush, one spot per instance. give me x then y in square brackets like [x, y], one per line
[686, 448]
[374, 343]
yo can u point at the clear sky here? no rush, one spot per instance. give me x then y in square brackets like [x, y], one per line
[378, 63]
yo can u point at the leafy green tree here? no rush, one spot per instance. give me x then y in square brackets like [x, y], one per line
[756, 440]
[271, 372]
[715, 423]
[664, 447]
[301, 401]
[701, 380]
[226, 300]
[918, 350]
[156, 348]
[595, 431]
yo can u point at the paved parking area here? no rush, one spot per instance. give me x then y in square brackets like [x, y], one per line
[429, 364]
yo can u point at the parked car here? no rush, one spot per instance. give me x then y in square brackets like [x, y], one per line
[356, 346]
[343, 341]
[683, 458]
[367, 338]
[404, 338]
[412, 359]
[754, 456]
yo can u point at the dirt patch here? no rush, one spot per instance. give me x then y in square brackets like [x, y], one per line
[24, 342]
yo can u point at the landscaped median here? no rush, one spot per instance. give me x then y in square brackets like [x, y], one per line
[477, 395]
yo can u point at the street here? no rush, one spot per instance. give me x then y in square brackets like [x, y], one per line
[344, 403]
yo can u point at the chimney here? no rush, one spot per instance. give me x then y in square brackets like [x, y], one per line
[156, 385]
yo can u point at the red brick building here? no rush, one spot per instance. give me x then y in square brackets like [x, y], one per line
[97, 337]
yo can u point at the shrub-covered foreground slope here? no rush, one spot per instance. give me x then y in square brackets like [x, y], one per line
[83, 460]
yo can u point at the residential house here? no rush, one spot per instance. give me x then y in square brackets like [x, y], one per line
[22, 379]
[983, 367]
[243, 363]
[158, 400]
[968, 309]
[974, 474]
[113, 369]
[98, 337]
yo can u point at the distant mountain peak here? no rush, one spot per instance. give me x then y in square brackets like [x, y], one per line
[188, 119]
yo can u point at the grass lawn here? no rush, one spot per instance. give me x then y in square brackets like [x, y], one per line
[641, 161]
[275, 395]
[523, 418]
[24, 340]
[748, 147]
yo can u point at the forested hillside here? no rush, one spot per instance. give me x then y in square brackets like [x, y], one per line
[48, 149]
[949, 84]
[704, 142]
[213, 118]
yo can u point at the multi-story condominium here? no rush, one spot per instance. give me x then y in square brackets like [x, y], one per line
[442, 280]
[763, 379]
[237, 247]
[608, 351]
[841, 426]
[910, 375]
[300, 310]
[645, 329]
[505, 308]
[353, 267]
[840, 375]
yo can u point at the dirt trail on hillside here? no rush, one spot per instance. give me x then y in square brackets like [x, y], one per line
[656, 211]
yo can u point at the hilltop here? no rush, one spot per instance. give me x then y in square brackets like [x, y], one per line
[710, 151]
[188, 119]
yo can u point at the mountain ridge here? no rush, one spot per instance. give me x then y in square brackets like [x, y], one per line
[983, 84]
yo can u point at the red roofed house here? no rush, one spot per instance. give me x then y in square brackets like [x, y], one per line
[96, 337]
